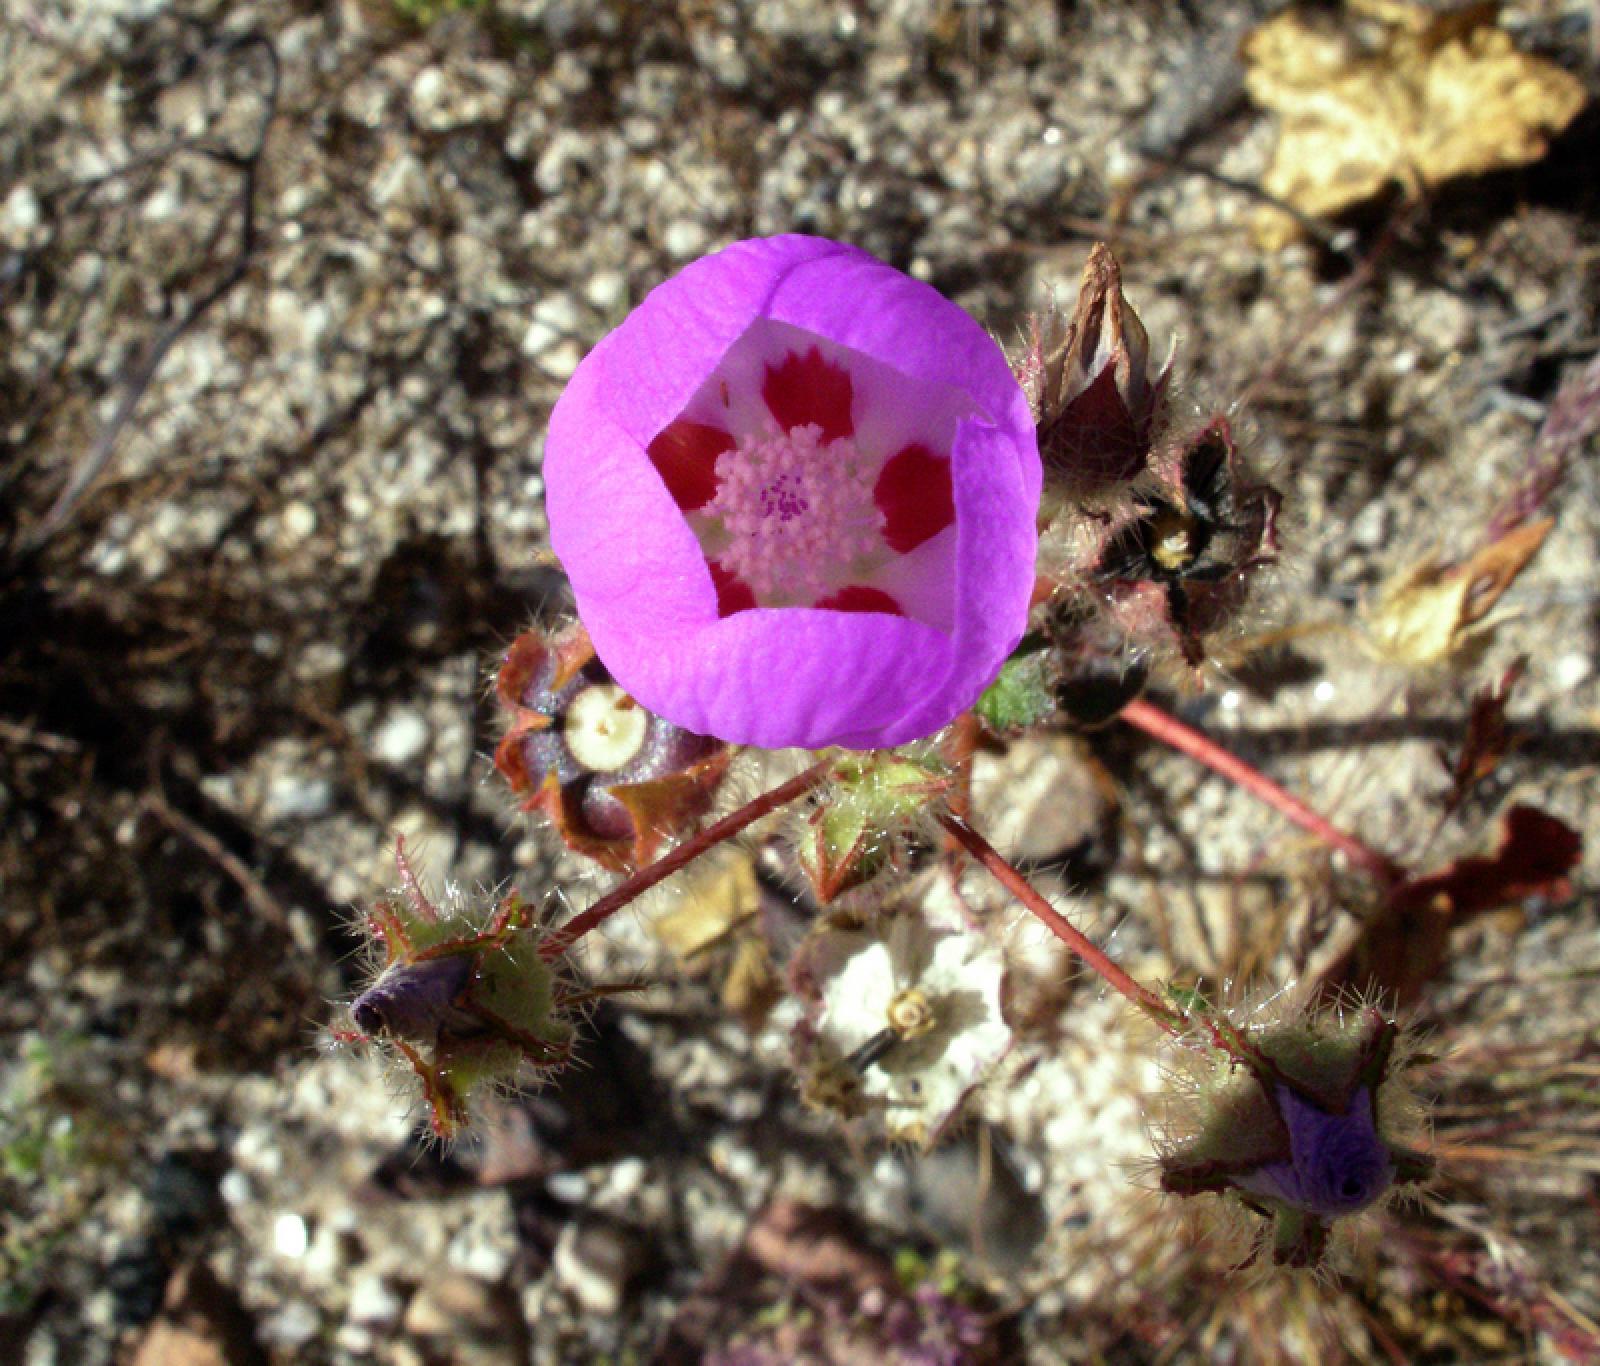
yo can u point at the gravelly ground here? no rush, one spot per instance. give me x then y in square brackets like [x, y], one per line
[251, 648]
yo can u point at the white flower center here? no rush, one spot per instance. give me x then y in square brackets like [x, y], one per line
[798, 514]
[604, 727]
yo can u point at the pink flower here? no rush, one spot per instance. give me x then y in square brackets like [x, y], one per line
[795, 493]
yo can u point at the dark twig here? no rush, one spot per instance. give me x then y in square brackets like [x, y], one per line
[139, 379]
[255, 892]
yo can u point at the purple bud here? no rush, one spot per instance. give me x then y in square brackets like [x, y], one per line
[416, 1001]
[1338, 1164]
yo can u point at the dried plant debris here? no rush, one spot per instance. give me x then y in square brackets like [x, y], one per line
[1433, 613]
[1487, 741]
[1405, 944]
[903, 1022]
[1391, 93]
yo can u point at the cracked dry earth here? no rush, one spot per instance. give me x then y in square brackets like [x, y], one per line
[247, 607]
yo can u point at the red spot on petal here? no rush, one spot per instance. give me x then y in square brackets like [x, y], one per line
[733, 593]
[859, 598]
[915, 497]
[807, 389]
[685, 456]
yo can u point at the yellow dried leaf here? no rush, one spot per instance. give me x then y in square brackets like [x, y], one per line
[752, 986]
[1390, 92]
[718, 893]
[1432, 613]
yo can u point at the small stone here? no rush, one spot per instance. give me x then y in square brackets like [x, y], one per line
[294, 797]
[20, 217]
[401, 738]
[478, 1322]
[1370, 527]
[606, 289]
[685, 238]
[291, 1326]
[1572, 670]
[290, 1237]
[374, 1304]
[594, 1262]
[235, 1188]
[298, 520]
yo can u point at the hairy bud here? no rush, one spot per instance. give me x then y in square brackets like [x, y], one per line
[1299, 1121]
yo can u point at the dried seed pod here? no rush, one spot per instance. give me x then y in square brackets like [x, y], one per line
[617, 781]
[1095, 397]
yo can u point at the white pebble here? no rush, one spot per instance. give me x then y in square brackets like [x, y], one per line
[401, 738]
[290, 1236]
[1571, 670]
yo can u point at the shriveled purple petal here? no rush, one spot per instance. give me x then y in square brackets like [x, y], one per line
[781, 676]
[1338, 1163]
[415, 1001]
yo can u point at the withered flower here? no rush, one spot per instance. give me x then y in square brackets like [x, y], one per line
[1176, 566]
[1089, 380]
[1298, 1121]
[617, 781]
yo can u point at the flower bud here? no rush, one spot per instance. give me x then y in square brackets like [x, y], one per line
[1298, 1121]
[1090, 383]
[617, 781]
[863, 815]
[462, 995]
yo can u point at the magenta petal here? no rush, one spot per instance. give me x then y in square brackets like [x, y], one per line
[787, 676]
[675, 338]
[639, 559]
[826, 294]
[778, 677]
[996, 544]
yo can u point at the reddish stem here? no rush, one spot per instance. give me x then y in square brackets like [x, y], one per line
[1168, 1016]
[1186, 739]
[685, 854]
[959, 747]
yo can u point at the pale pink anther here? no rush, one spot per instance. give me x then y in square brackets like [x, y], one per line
[793, 516]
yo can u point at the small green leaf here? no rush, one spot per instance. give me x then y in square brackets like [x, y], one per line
[1021, 696]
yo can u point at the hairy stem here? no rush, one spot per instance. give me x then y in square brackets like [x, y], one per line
[1167, 1015]
[1187, 740]
[686, 853]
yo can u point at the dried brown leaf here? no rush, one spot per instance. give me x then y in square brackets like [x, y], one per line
[1433, 613]
[717, 895]
[1487, 740]
[1392, 93]
[1405, 945]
